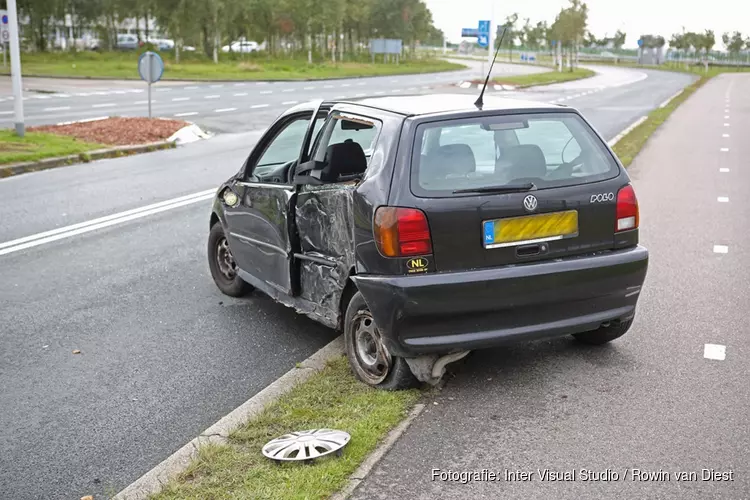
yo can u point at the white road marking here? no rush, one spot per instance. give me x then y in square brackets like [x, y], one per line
[224, 110]
[175, 99]
[340, 97]
[721, 249]
[412, 88]
[726, 124]
[191, 87]
[102, 222]
[724, 170]
[217, 86]
[726, 111]
[716, 352]
[6, 112]
[346, 84]
[41, 96]
[396, 90]
[239, 84]
[266, 92]
[426, 87]
[144, 102]
[360, 95]
[119, 92]
[360, 84]
[288, 90]
[464, 85]
[724, 150]
[327, 86]
[261, 83]
[726, 117]
[101, 93]
[58, 108]
[212, 96]
[289, 103]
[394, 81]
[664, 104]
[187, 113]
[722, 199]
[725, 135]
[240, 94]
[308, 88]
[256, 106]
[379, 92]
[103, 105]
[62, 95]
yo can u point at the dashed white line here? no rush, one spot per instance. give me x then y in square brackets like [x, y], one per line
[288, 90]
[239, 84]
[722, 199]
[726, 117]
[144, 102]
[360, 84]
[191, 87]
[261, 83]
[664, 104]
[119, 92]
[213, 96]
[340, 97]
[721, 249]
[379, 92]
[6, 112]
[224, 110]
[256, 106]
[725, 135]
[176, 99]
[346, 84]
[103, 105]
[724, 170]
[360, 95]
[57, 108]
[724, 150]
[394, 81]
[240, 94]
[327, 86]
[726, 124]
[308, 88]
[716, 352]
[165, 89]
[187, 113]
[412, 88]
[218, 86]
[425, 87]
[40, 96]
[289, 103]
[266, 92]
[396, 90]
[62, 95]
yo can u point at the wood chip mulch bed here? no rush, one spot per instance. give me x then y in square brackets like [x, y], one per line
[117, 131]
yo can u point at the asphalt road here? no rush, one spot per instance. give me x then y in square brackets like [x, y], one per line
[220, 106]
[650, 401]
[163, 353]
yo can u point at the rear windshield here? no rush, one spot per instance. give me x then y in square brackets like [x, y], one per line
[548, 150]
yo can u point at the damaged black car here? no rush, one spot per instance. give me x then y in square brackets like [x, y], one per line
[424, 227]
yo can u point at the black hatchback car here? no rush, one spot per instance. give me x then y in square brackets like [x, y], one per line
[425, 227]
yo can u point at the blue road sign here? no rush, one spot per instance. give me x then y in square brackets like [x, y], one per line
[483, 34]
[5, 19]
[150, 67]
[469, 32]
[640, 42]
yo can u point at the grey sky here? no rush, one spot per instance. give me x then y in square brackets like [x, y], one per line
[634, 17]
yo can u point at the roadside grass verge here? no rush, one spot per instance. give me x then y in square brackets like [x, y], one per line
[39, 145]
[630, 145]
[230, 67]
[329, 399]
[545, 78]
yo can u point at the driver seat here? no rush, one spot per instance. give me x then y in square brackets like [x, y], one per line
[526, 160]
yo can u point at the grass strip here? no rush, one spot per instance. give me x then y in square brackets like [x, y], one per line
[38, 146]
[329, 399]
[231, 67]
[545, 78]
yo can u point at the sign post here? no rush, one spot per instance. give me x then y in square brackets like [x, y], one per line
[151, 69]
[4, 35]
[483, 34]
[15, 67]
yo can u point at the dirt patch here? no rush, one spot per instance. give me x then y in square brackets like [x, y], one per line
[117, 131]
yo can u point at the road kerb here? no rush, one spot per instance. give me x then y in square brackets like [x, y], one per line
[625, 132]
[152, 481]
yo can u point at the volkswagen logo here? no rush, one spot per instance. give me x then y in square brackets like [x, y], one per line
[530, 203]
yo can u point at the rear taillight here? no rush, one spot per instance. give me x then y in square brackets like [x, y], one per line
[627, 209]
[402, 232]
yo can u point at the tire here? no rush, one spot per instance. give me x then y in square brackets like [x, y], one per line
[363, 344]
[222, 266]
[604, 334]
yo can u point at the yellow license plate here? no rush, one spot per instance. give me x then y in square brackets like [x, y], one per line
[530, 229]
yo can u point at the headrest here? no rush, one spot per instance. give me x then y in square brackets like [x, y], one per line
[345, 158]
[526, 161]
[453, 159]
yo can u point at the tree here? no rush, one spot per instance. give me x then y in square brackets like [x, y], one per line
[734, 43]
[509, 34]
[618, 40]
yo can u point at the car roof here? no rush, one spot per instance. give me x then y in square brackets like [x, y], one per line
[424, 104]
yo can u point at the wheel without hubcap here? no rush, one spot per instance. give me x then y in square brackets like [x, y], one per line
[368, 355]
[222, 264]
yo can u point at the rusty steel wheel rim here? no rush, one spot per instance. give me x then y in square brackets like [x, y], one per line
[372, 356]
[225, 260]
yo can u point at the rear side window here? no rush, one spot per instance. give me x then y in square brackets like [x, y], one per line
[346, 127]
[548, 150]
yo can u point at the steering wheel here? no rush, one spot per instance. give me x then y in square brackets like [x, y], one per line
[566, 169]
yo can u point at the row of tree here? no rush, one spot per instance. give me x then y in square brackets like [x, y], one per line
[324, 26]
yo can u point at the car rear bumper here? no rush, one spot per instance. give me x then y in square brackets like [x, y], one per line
[444, 312]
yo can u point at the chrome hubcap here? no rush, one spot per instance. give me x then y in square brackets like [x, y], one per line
[372, 355]
[224, 259]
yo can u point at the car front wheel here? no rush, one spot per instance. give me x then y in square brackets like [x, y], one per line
[604, 334]
[368, 356]
[222, 264]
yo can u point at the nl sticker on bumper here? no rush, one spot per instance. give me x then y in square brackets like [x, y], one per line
[530, 229]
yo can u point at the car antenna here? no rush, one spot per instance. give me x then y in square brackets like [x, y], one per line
[480, 101]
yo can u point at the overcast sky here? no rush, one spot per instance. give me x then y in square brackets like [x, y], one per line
[634, 17]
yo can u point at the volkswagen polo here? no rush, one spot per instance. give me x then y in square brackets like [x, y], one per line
[427, 226]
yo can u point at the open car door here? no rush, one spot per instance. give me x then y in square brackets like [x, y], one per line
[260, 227]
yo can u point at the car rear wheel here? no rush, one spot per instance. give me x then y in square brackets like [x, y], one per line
[604, 334]
[368, 356]
[222, 264]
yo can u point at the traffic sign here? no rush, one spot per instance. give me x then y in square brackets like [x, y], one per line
[469, 32]
[150, 67]
[483, 34]
[4, 28]
[640, 42]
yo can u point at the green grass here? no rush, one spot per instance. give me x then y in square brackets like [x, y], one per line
[230, 67]
[629, 146]
[331, 399]
[37, 146]
[545, 78]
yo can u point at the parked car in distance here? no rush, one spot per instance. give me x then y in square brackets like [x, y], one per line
[426, 226]
[162, 43]
[241, 46]
[127, 42]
